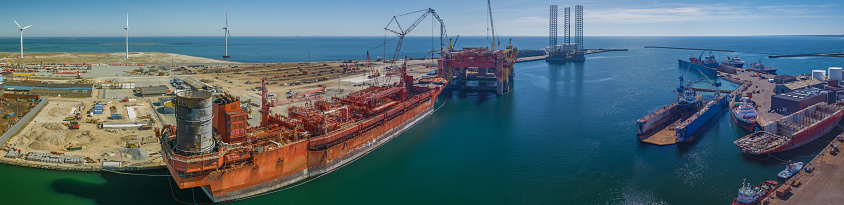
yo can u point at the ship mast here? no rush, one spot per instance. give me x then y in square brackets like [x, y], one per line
[265, 104]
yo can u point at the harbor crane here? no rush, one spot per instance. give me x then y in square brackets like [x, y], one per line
[401, 32]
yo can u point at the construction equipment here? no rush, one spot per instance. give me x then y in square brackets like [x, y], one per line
[92, 120]
[74, 125]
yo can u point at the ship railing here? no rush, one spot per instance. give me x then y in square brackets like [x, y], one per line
[221, 150]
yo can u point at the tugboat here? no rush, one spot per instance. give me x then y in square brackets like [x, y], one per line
[744, 114]
[749, 195]
[734, 61]
[790, 170]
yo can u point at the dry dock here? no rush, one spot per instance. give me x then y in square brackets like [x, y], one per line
[667, 135]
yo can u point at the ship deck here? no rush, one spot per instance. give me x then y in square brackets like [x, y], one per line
[667, 135]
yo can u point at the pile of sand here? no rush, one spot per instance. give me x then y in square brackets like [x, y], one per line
[136, 154]
[54, 126]
[39, 145]
[43, 140]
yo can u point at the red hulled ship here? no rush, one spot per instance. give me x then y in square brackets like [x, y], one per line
[234, 160]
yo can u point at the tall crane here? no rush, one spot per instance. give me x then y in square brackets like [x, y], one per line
[400, 32]
[491, 26]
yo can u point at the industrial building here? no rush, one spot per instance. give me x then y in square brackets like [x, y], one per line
[153, 91]
[27, 86]
[797, 100]
[60, 92]
[788, 87]
[782, 79]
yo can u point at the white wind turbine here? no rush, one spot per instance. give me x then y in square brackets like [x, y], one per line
[127, 35]
[21, 28]
[226, 29]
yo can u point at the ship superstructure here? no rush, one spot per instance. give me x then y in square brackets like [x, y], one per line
[792, 131]
[744, 114]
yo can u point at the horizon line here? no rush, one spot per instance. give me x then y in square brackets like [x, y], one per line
[464, 36]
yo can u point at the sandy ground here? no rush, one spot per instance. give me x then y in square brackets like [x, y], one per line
[120, 58]
[46, 133]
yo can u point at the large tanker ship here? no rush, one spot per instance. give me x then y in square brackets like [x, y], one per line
[233, 160]
[792, 131]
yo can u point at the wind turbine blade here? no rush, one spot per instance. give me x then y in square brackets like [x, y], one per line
[16, 23]
[227, 20]
[26, 27]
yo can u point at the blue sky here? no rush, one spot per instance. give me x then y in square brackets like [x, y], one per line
[64, 18]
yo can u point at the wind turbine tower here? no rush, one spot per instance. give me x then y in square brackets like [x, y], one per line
[127, 35]
[226, 29]
[21, 28]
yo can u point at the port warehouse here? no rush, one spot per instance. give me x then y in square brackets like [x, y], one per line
[153, 91]
[795, 85]
[793, 95]
[797, 100]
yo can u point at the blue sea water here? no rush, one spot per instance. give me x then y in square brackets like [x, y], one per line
[564, 135]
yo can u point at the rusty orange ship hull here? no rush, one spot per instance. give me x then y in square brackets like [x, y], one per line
[296, 160]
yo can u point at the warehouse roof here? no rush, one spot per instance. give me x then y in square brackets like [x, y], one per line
[803, 84]
[802, 94]
[153, 90]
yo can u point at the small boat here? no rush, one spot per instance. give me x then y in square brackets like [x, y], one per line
[790, 170]
[749, 195]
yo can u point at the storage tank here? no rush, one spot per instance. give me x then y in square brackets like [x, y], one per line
[834, 73]
[163, 100]
[819, 75]
[193, 122]
[169, 108]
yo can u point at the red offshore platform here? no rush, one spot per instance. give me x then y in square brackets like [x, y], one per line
[491, 69]
[234, 161]
[482, 69]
